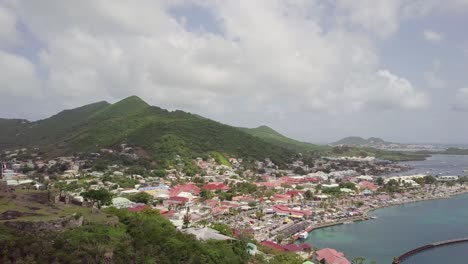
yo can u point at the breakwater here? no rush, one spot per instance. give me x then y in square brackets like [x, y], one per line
[418, 250]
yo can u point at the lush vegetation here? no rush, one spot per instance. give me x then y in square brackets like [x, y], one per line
[167, 137]
[454, 151]
[144, 237]
[359, 141]
[269, 135]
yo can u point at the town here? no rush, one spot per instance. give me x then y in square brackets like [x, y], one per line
[225, 198]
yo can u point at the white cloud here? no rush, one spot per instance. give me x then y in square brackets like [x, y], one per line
[272, 57]
[379, 17]
[432, 36]
[434, 77]
[461, 100]
[18, 77]
[7, 26]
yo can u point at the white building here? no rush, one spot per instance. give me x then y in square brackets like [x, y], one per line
[121, 202]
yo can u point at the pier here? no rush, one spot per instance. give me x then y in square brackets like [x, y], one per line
[415, 251]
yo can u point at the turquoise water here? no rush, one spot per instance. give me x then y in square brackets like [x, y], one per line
[402, 228]
[439, 165]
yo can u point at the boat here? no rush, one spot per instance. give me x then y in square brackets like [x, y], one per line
[304, 235]
[347, 222]
[373, 217]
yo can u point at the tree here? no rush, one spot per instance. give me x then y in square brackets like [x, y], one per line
[450, 183]
[300, 171]
[205, 194]
[380, 181]
[222, 229]
[348, 185]
[308, 195]
[259, 214]
[279, 238]
[60, 186]
[186, 220]
[358, 260]
[99, 197]
[141, 197]
[269, 193]
[430, 179]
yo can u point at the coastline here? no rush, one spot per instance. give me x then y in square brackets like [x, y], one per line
[365, 216]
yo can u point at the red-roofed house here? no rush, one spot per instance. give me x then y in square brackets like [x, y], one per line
[189, 188]
[166, 214]
[331, 256]
[366, 185]
[176, 200]
[213, 186]
[284, 198]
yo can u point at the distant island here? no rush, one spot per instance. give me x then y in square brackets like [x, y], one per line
[359, 141]
[379, 143]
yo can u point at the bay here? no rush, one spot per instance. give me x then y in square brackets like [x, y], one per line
[404, 227]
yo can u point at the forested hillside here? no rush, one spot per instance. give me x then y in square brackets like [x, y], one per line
[162, 134]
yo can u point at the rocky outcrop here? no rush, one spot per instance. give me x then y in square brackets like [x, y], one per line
[53, 225]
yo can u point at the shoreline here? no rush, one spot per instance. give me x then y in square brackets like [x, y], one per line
[366, 217]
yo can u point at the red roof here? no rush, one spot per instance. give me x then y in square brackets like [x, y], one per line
[189, 187]
[282, 209]
[269, 184]
[365, 185]
[138, 208]
[294, 192]
[332, 256]
[166, 214]
[273, 245]
[289, 247]
[178, 199]
[216, 186]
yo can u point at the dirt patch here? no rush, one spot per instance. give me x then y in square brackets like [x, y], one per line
[37, 197]
[9, 215]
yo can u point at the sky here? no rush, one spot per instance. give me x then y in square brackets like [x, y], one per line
[314, 70]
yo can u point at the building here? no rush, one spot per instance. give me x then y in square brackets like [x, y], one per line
[120, 202]
[331, 256]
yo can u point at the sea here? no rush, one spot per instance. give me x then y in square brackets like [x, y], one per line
[401, 228]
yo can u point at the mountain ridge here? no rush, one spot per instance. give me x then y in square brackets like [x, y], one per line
[161, 133]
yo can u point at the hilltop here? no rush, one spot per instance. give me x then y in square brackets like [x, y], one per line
[359, 141]
[161, 134]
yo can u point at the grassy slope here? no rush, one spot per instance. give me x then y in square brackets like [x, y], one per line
[47, 131]
[34, 202]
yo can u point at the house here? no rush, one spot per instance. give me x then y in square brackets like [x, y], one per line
[176, 200]
[156, 191]
[216, 187]
[121, 202]
[189, 187]
[366, 185]
[331, 256]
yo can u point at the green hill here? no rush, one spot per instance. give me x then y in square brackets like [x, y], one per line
[161, 133]
[271, 136]
[15, 132]
[359, 141]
